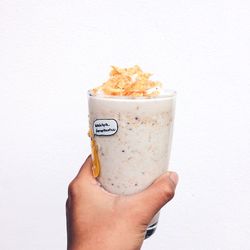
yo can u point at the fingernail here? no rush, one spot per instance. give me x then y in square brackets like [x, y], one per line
[174, 177]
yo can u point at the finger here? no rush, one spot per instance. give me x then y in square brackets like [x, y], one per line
[86, 169]
[158, 194]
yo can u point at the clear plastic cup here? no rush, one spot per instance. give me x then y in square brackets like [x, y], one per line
[132, 137]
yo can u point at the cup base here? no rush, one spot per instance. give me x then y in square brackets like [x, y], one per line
[150, 230]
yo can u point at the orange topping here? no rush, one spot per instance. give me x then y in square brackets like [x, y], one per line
[129, 82]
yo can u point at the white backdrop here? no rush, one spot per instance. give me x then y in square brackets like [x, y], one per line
[51, 52]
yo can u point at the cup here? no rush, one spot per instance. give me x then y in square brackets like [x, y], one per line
[131, 141]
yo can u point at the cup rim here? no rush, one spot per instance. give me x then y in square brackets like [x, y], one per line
[166, 93]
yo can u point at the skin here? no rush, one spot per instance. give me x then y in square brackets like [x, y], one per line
[100, 220]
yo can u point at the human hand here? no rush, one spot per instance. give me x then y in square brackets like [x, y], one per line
[97, 219]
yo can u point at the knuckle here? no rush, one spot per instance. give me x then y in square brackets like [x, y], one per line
[167, 193]
[67, 204]
[74, 188]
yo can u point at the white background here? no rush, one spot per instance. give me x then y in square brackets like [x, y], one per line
[51, 52]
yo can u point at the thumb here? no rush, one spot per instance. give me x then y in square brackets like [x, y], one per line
[158, 193]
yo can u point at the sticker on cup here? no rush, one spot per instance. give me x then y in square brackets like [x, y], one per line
[105, 127]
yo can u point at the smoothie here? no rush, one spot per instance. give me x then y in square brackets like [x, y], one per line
[131, 139]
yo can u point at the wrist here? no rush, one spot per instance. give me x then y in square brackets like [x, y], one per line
[101, 245]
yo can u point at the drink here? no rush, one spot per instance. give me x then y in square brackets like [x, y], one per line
[131, 138]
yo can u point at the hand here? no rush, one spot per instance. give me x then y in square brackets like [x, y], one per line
[100, 220]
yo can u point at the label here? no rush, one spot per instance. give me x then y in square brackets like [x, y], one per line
[105, 127]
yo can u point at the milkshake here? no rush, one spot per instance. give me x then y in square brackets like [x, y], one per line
[131, 139]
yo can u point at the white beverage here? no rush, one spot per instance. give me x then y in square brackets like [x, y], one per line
[133, 136]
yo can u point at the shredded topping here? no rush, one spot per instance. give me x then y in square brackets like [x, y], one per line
[129, 82]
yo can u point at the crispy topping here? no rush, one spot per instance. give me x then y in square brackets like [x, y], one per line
[129, 82]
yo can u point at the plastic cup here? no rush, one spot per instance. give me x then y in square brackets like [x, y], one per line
[132, 138]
